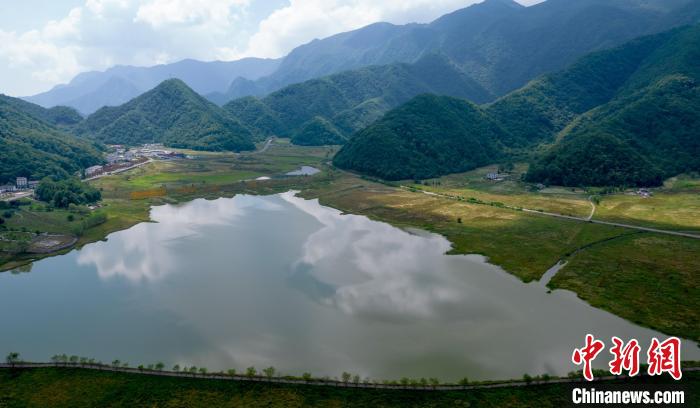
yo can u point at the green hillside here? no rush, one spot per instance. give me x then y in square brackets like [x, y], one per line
[653, 124]
[172, 114]
[424, 138]
[34, 148]
[351, 100]
[626, 116]
[318, 132]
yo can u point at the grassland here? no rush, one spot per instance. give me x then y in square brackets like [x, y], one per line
[511, 192]
[676, 206]
[650, 279]
[53, 387]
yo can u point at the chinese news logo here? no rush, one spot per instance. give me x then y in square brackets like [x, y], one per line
[662, 357]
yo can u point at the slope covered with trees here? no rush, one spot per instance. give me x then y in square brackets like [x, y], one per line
[625, 116]
[318, 132]
[172, 114]
[34, 148]
[350, 100]
[426, 137]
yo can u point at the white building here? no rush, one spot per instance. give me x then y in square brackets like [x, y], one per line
[22, 182]
[91, 171]
[7, 188]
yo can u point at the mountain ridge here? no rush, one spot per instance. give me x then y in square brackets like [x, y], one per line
[173, 114]
[624, 116]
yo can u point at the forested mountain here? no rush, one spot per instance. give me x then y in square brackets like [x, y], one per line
[349, 101]
[625, 116]
[34, 148]
[318, 132]
[426, 137]
[172, 114]
[500, 44]
[58, 115]
[92, 90]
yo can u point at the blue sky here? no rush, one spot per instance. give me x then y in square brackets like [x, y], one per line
[45, 43]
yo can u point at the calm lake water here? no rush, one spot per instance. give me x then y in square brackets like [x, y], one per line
[282, 281]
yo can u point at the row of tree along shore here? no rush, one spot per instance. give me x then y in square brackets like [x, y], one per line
[271, 375]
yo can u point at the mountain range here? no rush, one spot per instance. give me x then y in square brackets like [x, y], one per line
[438, 98]
[624, 116]
[499, 44]
[92, 90]
[349, 101]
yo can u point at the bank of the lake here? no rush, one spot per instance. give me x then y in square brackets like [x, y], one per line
[86, 388]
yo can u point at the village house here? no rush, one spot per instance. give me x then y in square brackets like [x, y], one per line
[92, 171]
[7, 188]
[644, 193]
[496, 176]
[22, 183]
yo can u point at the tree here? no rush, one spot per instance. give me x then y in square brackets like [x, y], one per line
[231, 372]
[356, 379]
[160, 366]
[346, 377]
[73, 359]
[269, 372]
[203, 370]
[434, 382]
[527, 378]
[250, 371]
[176, 368]
[193, 370]
[116, 363]
[306, 377]
[464, 381]
[12, 358]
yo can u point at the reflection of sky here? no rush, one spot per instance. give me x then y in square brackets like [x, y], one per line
[144, 252]
[391, 273]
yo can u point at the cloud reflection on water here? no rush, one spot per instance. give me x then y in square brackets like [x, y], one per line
[144, 252]
[391, 273]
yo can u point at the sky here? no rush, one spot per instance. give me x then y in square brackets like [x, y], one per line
[47, 42]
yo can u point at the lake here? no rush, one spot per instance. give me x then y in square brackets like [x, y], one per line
[283, 281]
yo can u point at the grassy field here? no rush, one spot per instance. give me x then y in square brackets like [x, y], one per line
[511, 192]
[650, 279]
[673, 208]
[53, 387]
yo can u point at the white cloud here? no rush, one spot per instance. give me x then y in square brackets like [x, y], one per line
[159, 13]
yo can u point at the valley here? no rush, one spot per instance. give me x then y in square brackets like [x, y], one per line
[255, 197]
